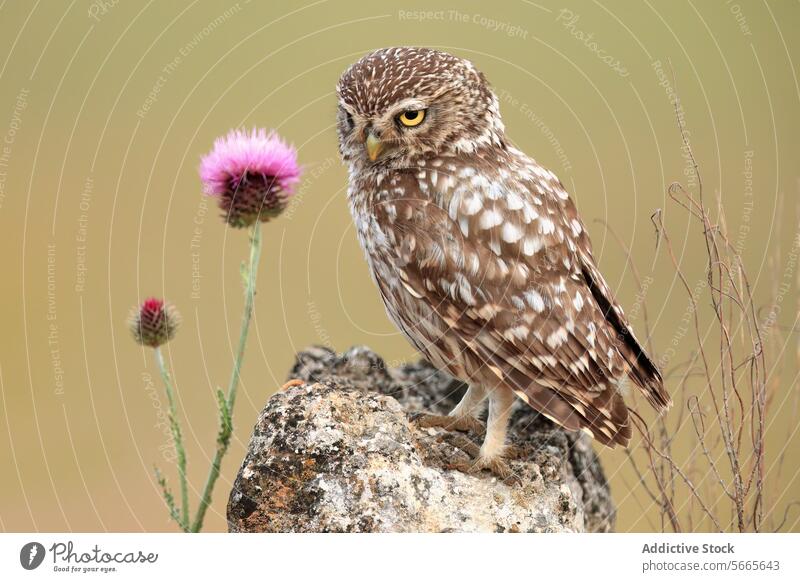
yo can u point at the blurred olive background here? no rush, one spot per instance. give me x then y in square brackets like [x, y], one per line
[106, 108]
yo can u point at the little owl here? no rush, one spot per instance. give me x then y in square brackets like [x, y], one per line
[480, 256]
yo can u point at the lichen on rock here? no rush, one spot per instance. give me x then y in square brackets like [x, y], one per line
[339, 453]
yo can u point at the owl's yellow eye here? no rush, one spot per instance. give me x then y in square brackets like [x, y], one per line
[411, 118]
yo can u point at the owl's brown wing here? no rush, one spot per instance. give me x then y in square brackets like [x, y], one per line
[642, 370]
[512, 290]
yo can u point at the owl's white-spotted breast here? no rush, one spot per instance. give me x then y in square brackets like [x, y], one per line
[479, 253]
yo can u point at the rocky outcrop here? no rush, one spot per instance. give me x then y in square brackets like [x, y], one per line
[338, 452]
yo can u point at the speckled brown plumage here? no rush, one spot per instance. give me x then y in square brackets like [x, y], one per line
[478, 252]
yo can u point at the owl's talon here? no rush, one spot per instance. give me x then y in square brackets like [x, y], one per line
[497, 466]
[464, 444]
[465, 467]
[462, 423]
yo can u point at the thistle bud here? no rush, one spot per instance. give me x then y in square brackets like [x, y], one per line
[154, 322]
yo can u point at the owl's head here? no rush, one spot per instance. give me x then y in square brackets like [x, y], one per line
[400, 104]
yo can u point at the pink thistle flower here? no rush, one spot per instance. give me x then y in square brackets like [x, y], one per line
[154, 322]
[252, 174]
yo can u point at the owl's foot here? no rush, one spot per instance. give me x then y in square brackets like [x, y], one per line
[496, 465]
[463, 443]
[513, 452]
[462, 423]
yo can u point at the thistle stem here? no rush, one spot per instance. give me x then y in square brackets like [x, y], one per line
[176, 437]
[226, 404]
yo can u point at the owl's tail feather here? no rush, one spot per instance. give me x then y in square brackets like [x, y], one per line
[642, 370]
[645, 375]
[607, 418]
[603, 415]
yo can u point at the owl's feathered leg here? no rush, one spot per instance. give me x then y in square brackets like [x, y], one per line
[462, 417]
[470, 403]
[501, 399]
[494, 451]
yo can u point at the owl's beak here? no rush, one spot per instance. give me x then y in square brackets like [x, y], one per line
[374, 146]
